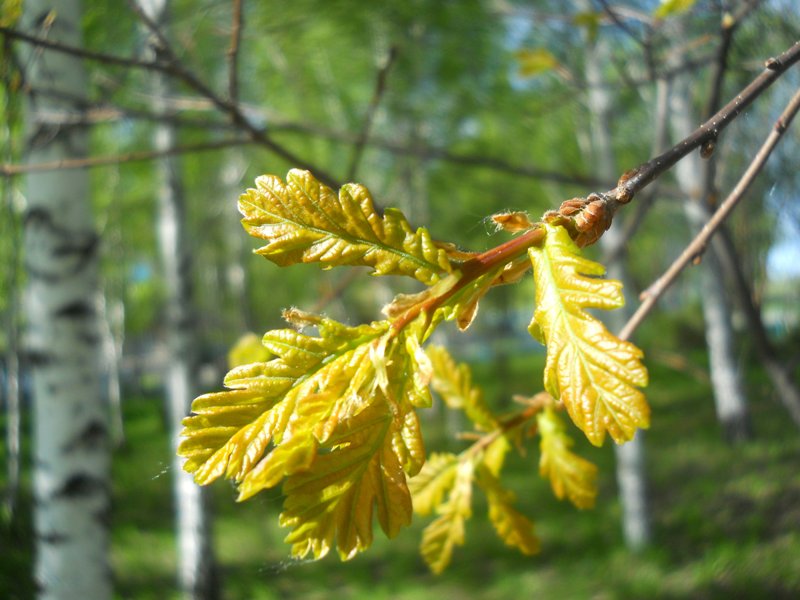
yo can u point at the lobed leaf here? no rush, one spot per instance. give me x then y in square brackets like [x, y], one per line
[303, 220]
[447, 531]
[595, 374]
[514, 528]
[333, 417]
[434, 480]
[453, 382]
[570, 475]
[332, 501]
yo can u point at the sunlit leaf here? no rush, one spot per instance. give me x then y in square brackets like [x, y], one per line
[570, 475]
[447, 531]
[434, 480]
[331, 503]
[514, 528]
[669, 8]
[10, 12]
[453, 382]
[535, 61]
[331, 416]
[303, 220]
[247, 349]
[594, 374]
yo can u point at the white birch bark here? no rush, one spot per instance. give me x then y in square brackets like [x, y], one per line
[196, 570]
[693, 178]
[630, 461]
[71, 455]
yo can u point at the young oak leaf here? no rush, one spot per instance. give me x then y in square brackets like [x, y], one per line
[447, 531]
[303, 220]
[514, 528]
[594, 374]
[570, 475]
[229, 432]
[453, 382]
[331, 502]
[316, 418]
[434, 480]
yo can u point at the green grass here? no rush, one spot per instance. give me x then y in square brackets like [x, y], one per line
[726, 521]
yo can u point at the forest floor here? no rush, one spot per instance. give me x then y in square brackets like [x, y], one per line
[726, 520]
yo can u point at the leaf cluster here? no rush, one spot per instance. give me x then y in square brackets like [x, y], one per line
[331, 416]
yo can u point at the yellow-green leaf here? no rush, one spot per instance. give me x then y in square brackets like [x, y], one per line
[453, 382]
[514, 528]
[595, 374]
[247, 349]
[331, 503]
[303, 220]
[447, 531]
[10, 12]
[434, 480]
[570, 475]
[333, 417]
[669, 8]
[535, 61]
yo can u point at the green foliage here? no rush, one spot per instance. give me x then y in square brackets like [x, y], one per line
[332, 416]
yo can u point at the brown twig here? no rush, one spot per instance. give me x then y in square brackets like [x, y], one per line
[109, 59]
[229, 107]
[377, 94]
[708, 131]
[233, 51]
[657, 289]
[99, 161]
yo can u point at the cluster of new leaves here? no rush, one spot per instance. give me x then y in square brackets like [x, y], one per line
[329, 416]
[332, 416]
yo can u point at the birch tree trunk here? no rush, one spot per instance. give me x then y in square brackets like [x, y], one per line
[694, 180]
[196, 570]
[71, 456]
[630, 458]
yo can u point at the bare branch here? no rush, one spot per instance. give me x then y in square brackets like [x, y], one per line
[698, 244]
[100, 161]
[380, 89]
[227, 106]
[642, 175]
[101, 57]
[233, 51]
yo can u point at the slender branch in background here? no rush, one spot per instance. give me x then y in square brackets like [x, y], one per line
[698, 244]
[109, 59]
[710, 130]
[377, 95]
[232, 109]
[233, 51]
[98, 161]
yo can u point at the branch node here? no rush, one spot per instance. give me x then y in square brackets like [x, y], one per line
[773, 64]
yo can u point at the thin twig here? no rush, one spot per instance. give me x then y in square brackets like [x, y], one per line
[109, 59]
[232, 109]
[233, 51]
[695, 248]
[100, 161]
[708, 131]
[377, 95]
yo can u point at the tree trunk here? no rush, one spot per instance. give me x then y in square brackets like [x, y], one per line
[630, 461]
[197, 572]
[695, 181]
[71, 455]
[779, 374]
[11, 390]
